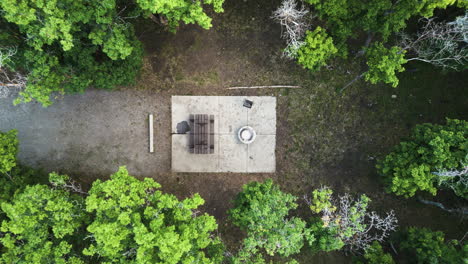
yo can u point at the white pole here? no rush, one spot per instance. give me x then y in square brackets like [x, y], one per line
[151, 148]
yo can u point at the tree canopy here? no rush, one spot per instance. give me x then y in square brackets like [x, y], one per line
[316, 50]
[40, 225]
[262, 209]
[67, 46]
[427, 246]
[412, 164]
[134, 222]
[8, 151]
[380, 20]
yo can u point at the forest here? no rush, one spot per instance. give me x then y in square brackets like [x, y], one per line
[371, 141]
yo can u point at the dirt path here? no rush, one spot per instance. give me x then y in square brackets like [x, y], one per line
[92, 133]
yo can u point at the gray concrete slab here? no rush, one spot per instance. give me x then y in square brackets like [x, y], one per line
[183, 106]
[184, 161]
[232, 154]
[261, 154]
[262, 115]
[230, 115]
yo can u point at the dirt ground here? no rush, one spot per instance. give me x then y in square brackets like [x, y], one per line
[323, 137]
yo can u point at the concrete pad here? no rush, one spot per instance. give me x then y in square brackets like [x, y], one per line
[261, 157]
[262, 115]
[232, 114]
[232, 154]
[184, 161]
[183, 106]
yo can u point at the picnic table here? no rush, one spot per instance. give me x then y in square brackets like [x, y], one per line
[201, 140]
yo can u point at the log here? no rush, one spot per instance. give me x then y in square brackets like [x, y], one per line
[261, 87]
[151, 142]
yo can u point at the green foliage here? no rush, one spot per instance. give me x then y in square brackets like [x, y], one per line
[327, 237]
[426, 246]
[40, 223]
[384, 64]
[317, 49]
[344, 224]
[190, 12]
[409, 167]
[133, 222]
[262, 210]
[374, 254]
[16, 180]
[345, 19]
[69, 45]
[75, 70]
[8, 150]
[321, 200]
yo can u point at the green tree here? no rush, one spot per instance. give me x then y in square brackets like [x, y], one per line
[262, 210]
[346, 222]
[190, 12]
[374, 254]
[317, 49]
[430, 147]
[69, 45]
[8, 151]
[379, 19]
[384, 63]
[134, 222]
[426, 246]
[346, 19]
[40, 226]
[327, 238]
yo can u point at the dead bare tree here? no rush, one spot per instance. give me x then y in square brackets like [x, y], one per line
[439, 43]
[357, 227]
[8, 78]
[294, 25]
[454, 179]
[367, 227]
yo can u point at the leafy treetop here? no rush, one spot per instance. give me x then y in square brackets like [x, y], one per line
[427, 246]
[8, 151]
[316, 50]
[133, 222]
[262, 210]
[411, 165]
[40, 225]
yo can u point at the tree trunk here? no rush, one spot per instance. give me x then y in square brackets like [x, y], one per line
[463, 210]
[352, 81]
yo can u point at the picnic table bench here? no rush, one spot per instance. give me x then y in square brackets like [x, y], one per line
[201, 134]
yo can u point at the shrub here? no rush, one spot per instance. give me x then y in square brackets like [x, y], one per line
[426, 246]
[430, 147]
[317, 49]
[262, 210]
[8, 151]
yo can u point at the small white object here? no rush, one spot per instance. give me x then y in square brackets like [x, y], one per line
[394, 96]
[151, 148]
[246, 135]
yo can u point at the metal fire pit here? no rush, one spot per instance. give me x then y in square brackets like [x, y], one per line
[246, 135]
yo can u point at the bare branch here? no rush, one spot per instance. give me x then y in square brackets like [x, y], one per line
[357, 227]
[439, 43]
[293, 25]
[9, 79]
